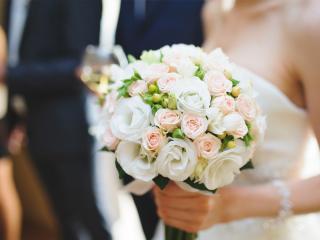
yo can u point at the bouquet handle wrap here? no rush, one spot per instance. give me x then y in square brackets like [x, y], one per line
[172, 233]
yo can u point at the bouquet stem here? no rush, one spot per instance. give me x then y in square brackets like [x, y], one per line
[172, 233]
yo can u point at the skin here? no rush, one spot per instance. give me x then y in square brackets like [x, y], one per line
[289, 47]
[10, 210]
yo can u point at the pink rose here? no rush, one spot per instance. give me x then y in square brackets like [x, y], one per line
[153, 139]
[156, 71]
[235, 125]
[137, 88]
[109, 140]
[225, 104]
[166, 82]
[193, 125]
[218, 84]
[207, 146]
[167, 119]
[246, 107]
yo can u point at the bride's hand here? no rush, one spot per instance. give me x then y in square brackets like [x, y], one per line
[193, 212]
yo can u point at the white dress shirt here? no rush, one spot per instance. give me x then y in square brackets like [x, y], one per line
[18, 16]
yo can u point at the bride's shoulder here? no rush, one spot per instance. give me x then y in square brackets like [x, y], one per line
[301, 18]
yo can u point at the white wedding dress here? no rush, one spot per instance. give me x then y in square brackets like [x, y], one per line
[289, 144]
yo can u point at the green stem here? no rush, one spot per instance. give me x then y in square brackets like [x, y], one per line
[172, 233]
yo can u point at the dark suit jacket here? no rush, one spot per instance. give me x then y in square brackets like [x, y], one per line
[55, 36]
[165, 22]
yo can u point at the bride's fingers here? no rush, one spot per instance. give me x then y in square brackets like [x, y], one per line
[183, 225]
[196, 203]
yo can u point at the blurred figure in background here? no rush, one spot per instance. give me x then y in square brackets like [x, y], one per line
[46, 42]
[149, 24]
[10, 211]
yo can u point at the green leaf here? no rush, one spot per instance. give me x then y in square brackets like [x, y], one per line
[198, 186]
[249, 165]
[104, 149]
[247, 139]
[155, 108]
[131, 58]
[225, 141]
[200, 72]
[234, 82]
[137, 76]
[161, 181]
[121, 172]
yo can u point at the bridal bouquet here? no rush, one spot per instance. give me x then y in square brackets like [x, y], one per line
[179, 114]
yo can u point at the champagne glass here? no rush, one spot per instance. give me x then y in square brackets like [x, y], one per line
[95, 71]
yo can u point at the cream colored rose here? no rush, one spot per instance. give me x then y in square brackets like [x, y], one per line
[246, 106]
[215, 118]
[235, 125]
[225, 104]
[193, 125]
[156, 71]
[137, 87]
[207, 146]
[192, 96]
[131, 118]
[167, 119]
[135, 161]
[153, 139]
[217, 83]
[167, 81]
[222, 170]
[177, 160]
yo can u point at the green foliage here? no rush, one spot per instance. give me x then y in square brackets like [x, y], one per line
[123, 90]
[249, 165]
[161, 181]
[234, 82]
[120, 170]
[200, 72]
[225, 142]
[248, 138]
[198, 186]
[131, 58]
[150, 57]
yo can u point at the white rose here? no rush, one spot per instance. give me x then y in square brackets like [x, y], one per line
[217, 60]
[135, 161]
[192, 96]
[215, 119]
[131, 118]
[222, 170]
[235, 125]
[177, 160]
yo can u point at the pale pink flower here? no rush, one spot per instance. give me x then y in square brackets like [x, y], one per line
[193, 125]
[218, 84]
[137, 88]
[166, 82]
[225, 104]
[207, 146]
[167, 119]
[153, 139]
[109, 140]
[246, 107]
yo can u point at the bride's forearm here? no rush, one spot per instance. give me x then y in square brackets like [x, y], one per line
[264, 200]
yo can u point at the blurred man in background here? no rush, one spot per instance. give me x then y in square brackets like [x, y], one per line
[10, 212]
[46, 42]
[150, 24]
